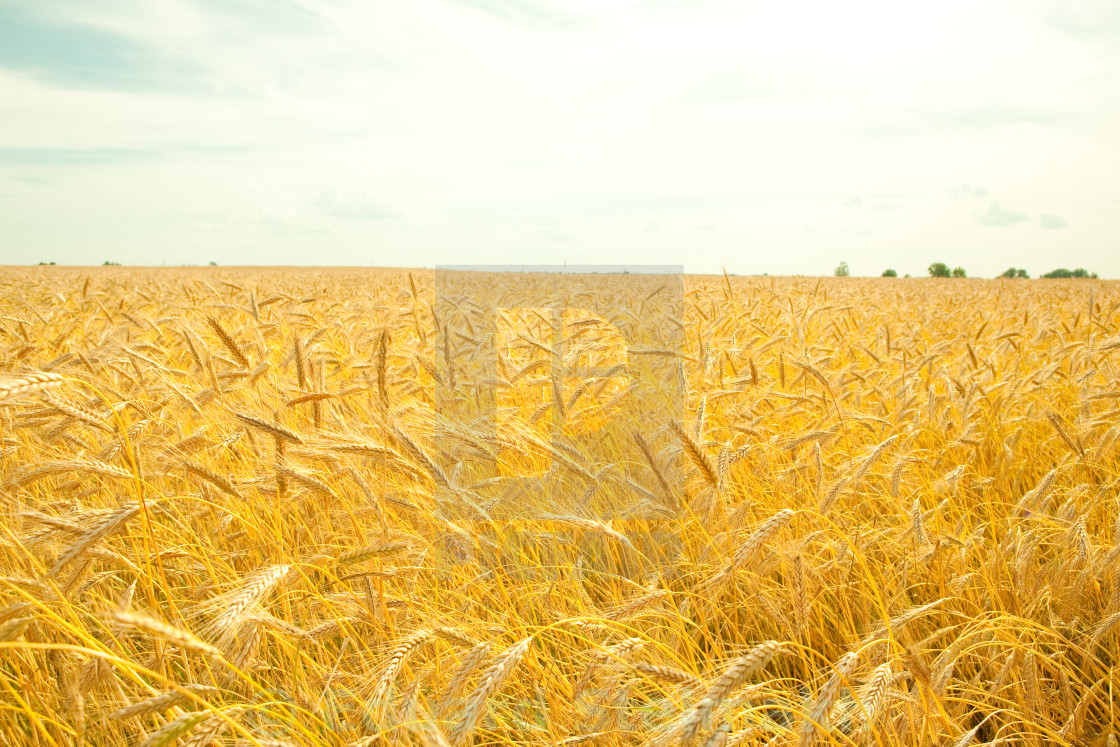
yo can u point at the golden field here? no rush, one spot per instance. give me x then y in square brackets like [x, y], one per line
[354, 507]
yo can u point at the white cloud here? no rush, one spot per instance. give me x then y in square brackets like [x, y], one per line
[871, 203]
[997, 215]
[280, 218]
[967, 190]
[1051, 221]
[359, 204]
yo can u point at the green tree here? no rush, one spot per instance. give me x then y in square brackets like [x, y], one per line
[890, 273]
[841, 270]
[958, 272]
[939, 270]
[1059, 273]
[1011, 272]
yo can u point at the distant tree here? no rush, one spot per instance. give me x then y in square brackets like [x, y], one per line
[958, 272]
[841, 270]
[1062, 272]
[890, 273]
[1011, 272]
[939, 270]
[46, 263]
[213, 263]
[107, 263]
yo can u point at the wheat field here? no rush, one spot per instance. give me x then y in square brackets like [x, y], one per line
[356, 507]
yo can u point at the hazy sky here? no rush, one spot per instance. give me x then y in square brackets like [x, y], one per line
[776, 137]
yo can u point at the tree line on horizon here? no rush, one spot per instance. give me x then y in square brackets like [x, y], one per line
[936, 270]
[941, 270]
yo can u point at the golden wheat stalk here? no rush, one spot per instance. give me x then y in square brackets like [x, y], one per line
[736, 673]
[668, 674]
[874, 695]
[163, 701]
[308, 481]
[421, 457]
[230, 344]
[814, 723]
[375, 550]
[211, 477]
[22, 385]
[493, 677]
[110, 525]
[276, 431]
[164, 631]
[397, 657]
[92, 466]
[230, 609]
[696, 454]
[631, 608]
[471, 662]
[754, 543]
[170, 732]
[76, 411]
[662, 481]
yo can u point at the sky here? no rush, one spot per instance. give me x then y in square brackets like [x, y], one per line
[756, 137]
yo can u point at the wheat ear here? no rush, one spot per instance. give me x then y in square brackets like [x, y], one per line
[277, 431]
[732, 677]
[211, 477]
[396, 660]
[76, 411]
[172, 730]
[818, 714]
[163, 631]
[107, 527]
[24, 384]
[493, 677]
[754, 543]
[376, 550]
[696, 455]
[231, 608]
[676, 676]
[874, 694]
[13, 629]
[472, 661]
[163, 702]
[229, 342]
[647, 452]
